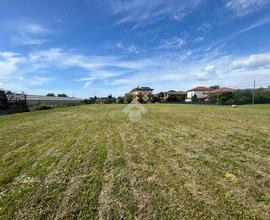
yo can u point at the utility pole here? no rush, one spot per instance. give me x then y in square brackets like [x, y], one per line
[253, 95]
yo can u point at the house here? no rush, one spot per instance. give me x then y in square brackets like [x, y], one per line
[222, 90]
[142, 94]
[174, 95]
[200, 92]
[221, 96]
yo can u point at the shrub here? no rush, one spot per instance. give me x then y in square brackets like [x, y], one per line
[194, 99]
[41, 107]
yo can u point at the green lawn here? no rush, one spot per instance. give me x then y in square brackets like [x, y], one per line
[178, 162]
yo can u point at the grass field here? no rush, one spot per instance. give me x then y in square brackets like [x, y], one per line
[178, 162]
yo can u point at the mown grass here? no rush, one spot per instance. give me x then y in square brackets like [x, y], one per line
[178, 162]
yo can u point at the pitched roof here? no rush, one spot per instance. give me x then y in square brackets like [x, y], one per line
[142, 89]
[200, 88]
[172, 92]
[223, 90]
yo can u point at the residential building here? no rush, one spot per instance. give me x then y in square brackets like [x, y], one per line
[200, 92]
[174, 95]
[221, 96]
[142, 94]
[222, 90]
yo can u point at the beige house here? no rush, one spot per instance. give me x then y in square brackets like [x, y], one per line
[142, 94]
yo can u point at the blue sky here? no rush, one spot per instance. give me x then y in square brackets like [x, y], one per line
[97, 47]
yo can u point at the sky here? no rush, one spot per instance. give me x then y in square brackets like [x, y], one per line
[99, 47]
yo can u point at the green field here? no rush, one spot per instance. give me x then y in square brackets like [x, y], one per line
[178, 162]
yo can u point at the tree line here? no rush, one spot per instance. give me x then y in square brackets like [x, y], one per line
[240, 96]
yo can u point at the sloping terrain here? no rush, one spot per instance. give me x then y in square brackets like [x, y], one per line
[178, 162]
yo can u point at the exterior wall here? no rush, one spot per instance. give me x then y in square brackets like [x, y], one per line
[146, 96]
[190, 94]
[168, 95]
[199, 94]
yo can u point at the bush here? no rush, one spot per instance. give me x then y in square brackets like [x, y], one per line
[128, 98]
[194, 99]
[41, 107]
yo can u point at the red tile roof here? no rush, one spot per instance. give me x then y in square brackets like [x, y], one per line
[223, 90]
[201, 88]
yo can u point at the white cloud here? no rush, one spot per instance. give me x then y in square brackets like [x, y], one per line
[22, 39]
[199, 39]
[209, 68]
[27, 33]
[87, 84]
[259, 23]
[256, 61]
[9, 63]
[40, 80]
[35, 28]
[173, 43]
[204, 27]
[130, 49]
[101, 75]
[2, 85]
[145, 12]
[244, 7]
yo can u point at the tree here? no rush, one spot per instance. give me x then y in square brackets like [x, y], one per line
[194, 99]
[3, 100]
[120, 100]
[128, 98]
[110, 100]
[51, 94]
[156, 99]
[214, 87]
[161, 95]
[141, 98]
[62, 95]
[91, 100]
[242, 96]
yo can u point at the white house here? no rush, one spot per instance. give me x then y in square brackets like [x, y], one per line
[201, 92]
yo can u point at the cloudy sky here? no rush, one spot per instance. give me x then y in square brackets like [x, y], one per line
[97, 47]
